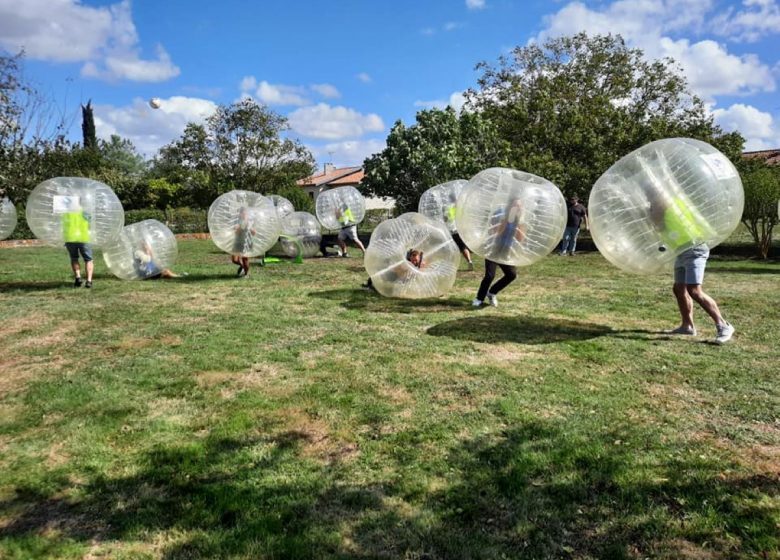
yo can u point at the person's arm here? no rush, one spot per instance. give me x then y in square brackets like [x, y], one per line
[585, 217]
[520, 232]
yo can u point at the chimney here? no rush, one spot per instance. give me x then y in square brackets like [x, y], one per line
[329, 167]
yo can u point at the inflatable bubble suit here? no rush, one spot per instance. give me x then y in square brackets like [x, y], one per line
[283, 206]
[662, 199]
[141, 250]
[243, 223]
[300, 234]
[74, 209]
[387, 257]
[439, 202]
[510, 217]
[7, 218]
[340, 207]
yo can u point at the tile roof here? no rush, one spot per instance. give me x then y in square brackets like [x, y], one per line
[771, 157]
[334, 177]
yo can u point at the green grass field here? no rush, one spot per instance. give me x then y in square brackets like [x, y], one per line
[292, 415]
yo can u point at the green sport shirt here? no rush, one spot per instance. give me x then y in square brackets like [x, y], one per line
[75, 227]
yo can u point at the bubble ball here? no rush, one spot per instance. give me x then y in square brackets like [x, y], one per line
[243, 223]
[301, 235]
[662, 199]
[340, 207]
[387, 257]
[283, 206]
[439, 202]
[7, 217]
[510, 217]
[74, 209]
[142, 250]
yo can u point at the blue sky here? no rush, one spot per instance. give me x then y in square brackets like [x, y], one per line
[344, 72]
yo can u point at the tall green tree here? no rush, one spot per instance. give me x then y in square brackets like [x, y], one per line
[441, 146]
[762, 196]
[573, 106]
[241, 146]
[89, 136]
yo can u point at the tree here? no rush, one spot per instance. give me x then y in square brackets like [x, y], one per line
[241, 146]
[441, 146]
[762, 193]
[573, 106]
[88, 127]
[120, 154]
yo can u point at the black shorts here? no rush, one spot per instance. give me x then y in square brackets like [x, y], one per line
[459, 242]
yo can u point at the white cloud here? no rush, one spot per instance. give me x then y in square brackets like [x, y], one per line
[452, 25]
[427, 31]
[759, 18]
[363, 77]
[475, 4]
[104, 38]
[709, 67]
[326, 90]
[348, 152]
[758, 128]
[333, 123]
[279, 94]
[148, 128]
[456, 101]
[273, 94]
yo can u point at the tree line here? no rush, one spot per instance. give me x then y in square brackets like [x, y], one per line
[566, 110]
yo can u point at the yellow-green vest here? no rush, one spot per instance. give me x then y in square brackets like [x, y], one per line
[682, 226]
[75, 227]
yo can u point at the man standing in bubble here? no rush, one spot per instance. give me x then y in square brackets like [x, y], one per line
[75, 231]
[576, 214]
[348, 230]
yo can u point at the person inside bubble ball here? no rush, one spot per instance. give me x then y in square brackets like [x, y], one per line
[507, 228]
[451, 213]
[401, 272]
[348, 229]
[145, 264]
[75, 231]
[679, 226]
[242, 242]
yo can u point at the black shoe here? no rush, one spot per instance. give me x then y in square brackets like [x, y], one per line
[88, 284]
[77, 283]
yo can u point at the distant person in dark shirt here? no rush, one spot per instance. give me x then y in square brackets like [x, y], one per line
[577, 213]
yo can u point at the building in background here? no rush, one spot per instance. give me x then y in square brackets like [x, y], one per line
[332, 177]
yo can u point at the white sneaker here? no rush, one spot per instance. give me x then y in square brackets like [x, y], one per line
[476, 303]
[725, 332]
[492, 300]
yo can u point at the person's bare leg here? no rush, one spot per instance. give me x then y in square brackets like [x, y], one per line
[245, 264]
[685, 304]
[342, 247]
[707, 303]
[360, 245]
[90, 269]
[74, 265]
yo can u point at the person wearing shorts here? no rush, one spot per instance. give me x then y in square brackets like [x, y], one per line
[75, 231]
[688, 279]
[348, 232]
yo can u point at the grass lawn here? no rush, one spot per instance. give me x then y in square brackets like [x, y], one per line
[292, 415]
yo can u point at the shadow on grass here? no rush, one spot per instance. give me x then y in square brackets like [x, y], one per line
[371, 301]
[33, 286]
[528, 330]
[537, 490]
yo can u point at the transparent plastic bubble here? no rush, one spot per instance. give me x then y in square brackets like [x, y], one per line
[283, 206]
[300, 235]
[440, 202]
[388, 253]
[510, 217]
[142, 250]
[7, 217]
[243, 223]
[661, 200]
[340, 207]
[74, 209]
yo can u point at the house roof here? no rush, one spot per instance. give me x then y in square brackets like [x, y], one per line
[770, 157]
[334, 176]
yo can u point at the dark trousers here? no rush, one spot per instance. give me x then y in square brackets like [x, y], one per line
[510, 273]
